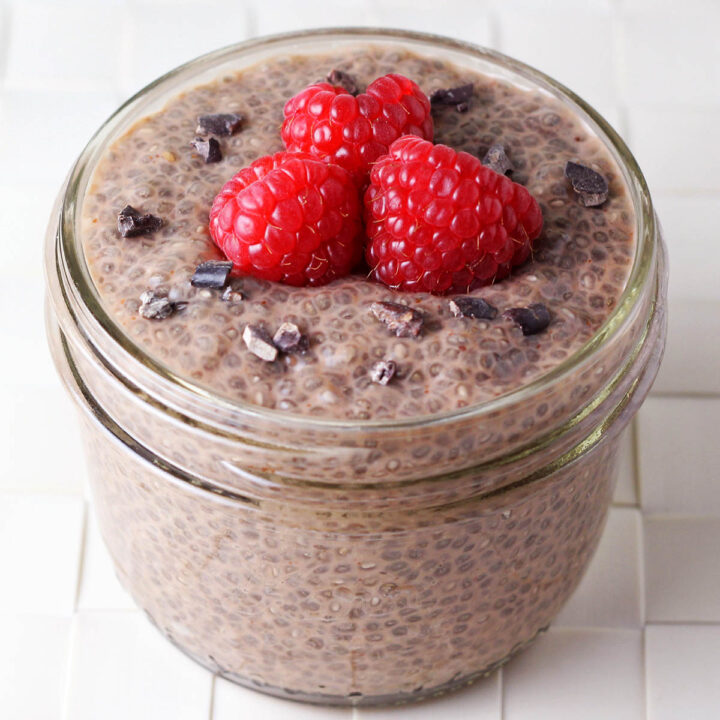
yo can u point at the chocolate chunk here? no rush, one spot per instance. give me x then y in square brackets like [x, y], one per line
[472, 307]
[457, 96]
[343, 79]
[209, 150]
[156, 307]
[383, 372]
[591, 187]
[532, 319]
[259, 342]
[229, 295]
[496, 159]
[211, 274]
[132, 222]
[404, 321]
[289, 339]
[219, 124]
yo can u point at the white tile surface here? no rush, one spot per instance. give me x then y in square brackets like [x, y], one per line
[37, 61]
[28, 363]
[99, 587]
[468, 20]
[33, 666]
[39, 552]
[66, 64]
[682, 667]
[669, 6]
[4, 38]
[674, 147]
[484, 698]
[693, 75]
[166, 3]
[572, 674]
[122, 668]
[287, 15]
[22, 312]
[33, 128]
[554, 40]
[231, 701]
[158, 3]
[614, 113]
[679, 457]
[681, 569]
[24, 215]
[610, 594]
[158, 40]
[694, 251]
[60, 467]
[692, 354]
[626, 488]
[591, 6]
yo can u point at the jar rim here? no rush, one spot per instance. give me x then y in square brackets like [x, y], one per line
[78, 287]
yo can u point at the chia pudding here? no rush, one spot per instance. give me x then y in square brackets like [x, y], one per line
[579, 268]
[330, 529]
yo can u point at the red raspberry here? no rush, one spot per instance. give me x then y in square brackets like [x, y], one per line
[440, 221]
[289, 218]
[330, 123]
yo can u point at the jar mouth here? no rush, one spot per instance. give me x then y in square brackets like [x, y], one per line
[83, 302]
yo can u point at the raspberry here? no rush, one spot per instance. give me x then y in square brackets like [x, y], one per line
[289, 218]
[439, 221]
[354, 131]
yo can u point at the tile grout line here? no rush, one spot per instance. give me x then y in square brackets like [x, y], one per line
[690, 106]
[123, 57]
[620, 70]
[625, 505]
[501, 694]
[5, 23]
[109, 611]
[643, 657]
[65, 707]
[123, 79]
[619, 63]
[251, 19]
[641, 565]
[623, 121]
[682, 623]
[211, 707]
[635, 446]
[41, 492]
[685, 193]
[494, 25]
[619, 66]
[596, 629]
[81, 558]
[682, 516]
[685, 394]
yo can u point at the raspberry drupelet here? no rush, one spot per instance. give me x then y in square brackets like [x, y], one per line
[439, 221]
[354, 131]
[289, 218]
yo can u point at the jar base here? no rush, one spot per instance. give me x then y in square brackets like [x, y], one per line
[352, 699]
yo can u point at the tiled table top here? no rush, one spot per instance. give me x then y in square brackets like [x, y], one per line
[640, 638]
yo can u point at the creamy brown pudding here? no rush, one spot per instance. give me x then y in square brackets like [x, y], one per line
[297, 525]
[578, 270]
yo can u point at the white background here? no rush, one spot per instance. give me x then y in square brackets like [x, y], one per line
[641, 638]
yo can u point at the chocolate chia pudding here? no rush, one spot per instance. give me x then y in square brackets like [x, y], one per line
[579, 269]
[320, 526]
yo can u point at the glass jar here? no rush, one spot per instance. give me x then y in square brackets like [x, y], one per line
[350, 561]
